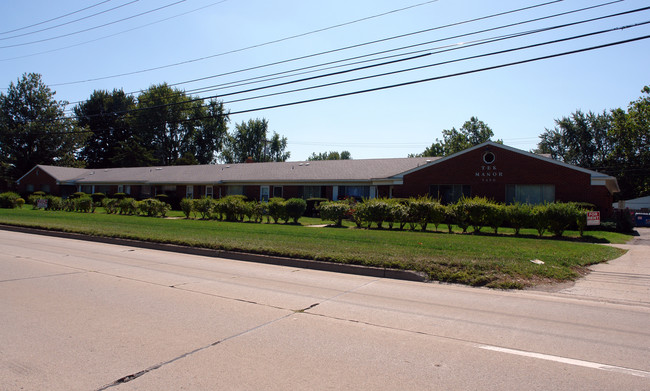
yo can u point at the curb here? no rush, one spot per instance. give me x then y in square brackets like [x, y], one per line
[396, 274]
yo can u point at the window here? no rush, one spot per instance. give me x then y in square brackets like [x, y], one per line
[29, 188]
[358, 192]
[209, 191]
[449, 194]
[264, 193]
[189, 192]
[530, 194]
[311, 192]
[146, 190]
[277, 191]
[45, 188]
[235, 190]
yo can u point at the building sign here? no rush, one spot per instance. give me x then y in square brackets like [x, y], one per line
[41, 203]
[593, 218]
[488, 172]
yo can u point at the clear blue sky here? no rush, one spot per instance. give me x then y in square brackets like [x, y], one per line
[212, 37]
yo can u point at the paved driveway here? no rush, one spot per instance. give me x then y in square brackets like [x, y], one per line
[625, 279]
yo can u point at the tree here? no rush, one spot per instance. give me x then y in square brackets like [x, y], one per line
[332, 155]
[172, 124]
[615, 143]
[34, 129]
[249, 140]
[579, 139]
[473, 132]
[106, 115]
[630, 139]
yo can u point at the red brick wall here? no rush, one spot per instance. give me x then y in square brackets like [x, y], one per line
[39, 179]
[490, 180]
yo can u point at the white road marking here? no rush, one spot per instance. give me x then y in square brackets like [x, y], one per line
[569, 361]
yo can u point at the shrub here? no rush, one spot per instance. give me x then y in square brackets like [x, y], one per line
[127, 206]
[398, 214]
[231, 207]
[39, 193]
[111, 205]
[119, 196]
[78, 194]
[357, 212]
[496, 216]
[477, 212]
[20, 202]
[377, 210]
[204, 206]
[334, 211]
[461, 215]
[152, 207]
[187, 206]
[277, 209]
[295, 208]
[560, 217]
[518, 216]
[83, 204]
[8, 199]
[98, 197]
[54, 203]
[539, 219]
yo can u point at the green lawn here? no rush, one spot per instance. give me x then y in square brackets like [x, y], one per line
[501, 261]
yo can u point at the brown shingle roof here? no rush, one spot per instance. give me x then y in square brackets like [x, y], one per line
[360, 170]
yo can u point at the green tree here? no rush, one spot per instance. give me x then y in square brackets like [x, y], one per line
[579, 139]
[250, 140]
[331, 155]
[34, 129]
[172, 124]
[630, 138]
[105, 114]
[473, 132]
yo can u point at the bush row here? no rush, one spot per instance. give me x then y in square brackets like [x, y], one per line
[476, 212]
[86, 203]
[10, 200]
[236, 208]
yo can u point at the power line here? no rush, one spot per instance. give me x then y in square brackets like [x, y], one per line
[413, 82]
[70, 22]
[204, 89]
[466, 44]
[443, 77]
[495, 39]
[56, 18]
[114, 34]
[94, 27]
[250, 47]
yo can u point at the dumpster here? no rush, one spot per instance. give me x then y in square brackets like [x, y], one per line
[642, 219]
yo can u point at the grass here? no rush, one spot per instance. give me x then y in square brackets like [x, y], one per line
[500, 261]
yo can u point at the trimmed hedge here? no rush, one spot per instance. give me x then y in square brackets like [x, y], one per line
[475, 212]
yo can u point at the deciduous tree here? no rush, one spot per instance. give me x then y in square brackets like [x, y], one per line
[34, 129]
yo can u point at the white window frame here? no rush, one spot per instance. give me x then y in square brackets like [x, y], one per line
[265, 193]
[189, 192]
[209, 191]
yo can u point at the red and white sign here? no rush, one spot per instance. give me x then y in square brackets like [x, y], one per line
[593, 218]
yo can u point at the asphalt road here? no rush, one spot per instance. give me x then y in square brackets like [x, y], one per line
[76, 315]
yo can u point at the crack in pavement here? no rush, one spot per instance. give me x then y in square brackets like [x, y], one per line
[138, 374]
[133, 376]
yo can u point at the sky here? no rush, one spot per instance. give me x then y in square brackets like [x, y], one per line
[225, 48]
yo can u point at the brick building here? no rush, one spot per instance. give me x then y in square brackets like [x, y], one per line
[496, 171]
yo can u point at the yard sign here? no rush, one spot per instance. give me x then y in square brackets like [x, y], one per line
[593, 218]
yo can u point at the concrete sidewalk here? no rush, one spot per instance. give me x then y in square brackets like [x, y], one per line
[625, 279]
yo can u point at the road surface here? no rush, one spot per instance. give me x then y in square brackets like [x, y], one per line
[77, 315]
